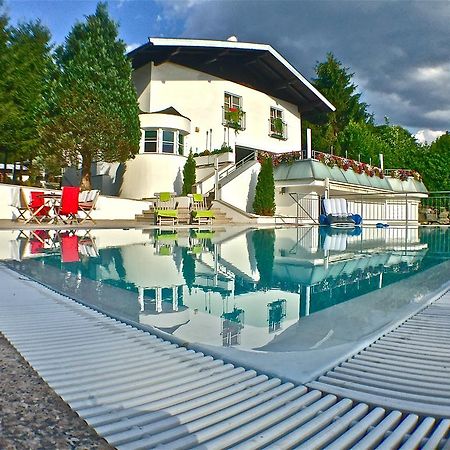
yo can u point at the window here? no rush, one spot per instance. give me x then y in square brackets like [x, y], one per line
[168, 139]
[277, 126]
[150, 141]
[232, 114]
[163, 141]
[232, 101]
[180, 144]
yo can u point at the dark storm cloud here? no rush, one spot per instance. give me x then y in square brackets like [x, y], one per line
[398, 50]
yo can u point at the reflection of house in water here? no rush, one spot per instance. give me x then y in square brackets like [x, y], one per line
[276, 312]
[201, 290]
[232, 324]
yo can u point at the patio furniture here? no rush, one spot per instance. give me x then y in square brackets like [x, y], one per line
[68, 210]
[199, 240]
[166, 209]
[87, 247]
[165, 241]
[200, 213]
[36, 210]
[87, 201]
[337, 215]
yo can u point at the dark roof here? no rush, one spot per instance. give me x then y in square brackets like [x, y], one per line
[170, 110]
[257, 66]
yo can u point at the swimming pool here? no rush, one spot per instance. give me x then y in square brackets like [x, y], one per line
[286, 299]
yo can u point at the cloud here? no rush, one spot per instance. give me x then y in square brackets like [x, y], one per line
[398, 50]
[132, 46]
[428, 136]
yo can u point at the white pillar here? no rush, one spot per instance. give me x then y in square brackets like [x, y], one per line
[216, 178]
[307, 300]
[327, 188]
[158, 295]
[308, 144]
[174, 298]
[141, 298]
[381, 161]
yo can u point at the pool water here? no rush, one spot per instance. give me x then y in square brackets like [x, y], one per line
[241, 289]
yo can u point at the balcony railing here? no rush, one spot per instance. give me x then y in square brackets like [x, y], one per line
[233, 118]
[277, 128]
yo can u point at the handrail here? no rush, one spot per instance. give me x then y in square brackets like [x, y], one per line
[237, 165]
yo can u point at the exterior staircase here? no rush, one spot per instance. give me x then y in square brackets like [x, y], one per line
[148, 216]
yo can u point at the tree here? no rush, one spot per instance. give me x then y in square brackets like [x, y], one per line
[359, 141]
[335, 82]
[264, 246]
[189, 174]
[32, 69]
[8, 110]
[264, 202]
[401, 149]
[92, 112]
[435, 164]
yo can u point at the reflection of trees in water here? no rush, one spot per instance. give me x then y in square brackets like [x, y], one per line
[264, 245]
[113, 256]
[188, 268]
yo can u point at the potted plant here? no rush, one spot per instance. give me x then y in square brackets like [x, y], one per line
[233, 116]
[277, 126]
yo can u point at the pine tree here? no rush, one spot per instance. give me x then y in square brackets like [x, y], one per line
[335, 82]
[189, 174]
[264, 246]
[264, 202]
[9, 113]
[32, 69]
[92, 112]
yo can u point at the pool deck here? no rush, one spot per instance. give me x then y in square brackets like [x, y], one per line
[138, 391]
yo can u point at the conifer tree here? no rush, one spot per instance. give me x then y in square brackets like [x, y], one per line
[92, 112]
[32, 69]
[334, 81]
[8, 110]
[264, 202]
[189, 174]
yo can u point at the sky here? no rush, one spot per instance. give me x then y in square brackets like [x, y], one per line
[398, 50]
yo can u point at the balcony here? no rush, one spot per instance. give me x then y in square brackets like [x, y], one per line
[233, 118]
[277, 128]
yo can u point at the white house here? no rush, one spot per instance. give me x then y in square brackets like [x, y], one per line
[203, 96]
[190, 91]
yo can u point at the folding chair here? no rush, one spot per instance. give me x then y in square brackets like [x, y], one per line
[36, 210]
[87, 203]
[69, 204]
[69, 248]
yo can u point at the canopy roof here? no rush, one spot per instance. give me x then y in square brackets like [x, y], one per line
[308, 169]
[258, 66]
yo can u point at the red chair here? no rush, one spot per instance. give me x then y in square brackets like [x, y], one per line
[37, 205]
[69, 204]
[69, 248]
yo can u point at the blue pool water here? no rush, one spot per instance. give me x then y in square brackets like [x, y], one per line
[294, 298]
[240, 289]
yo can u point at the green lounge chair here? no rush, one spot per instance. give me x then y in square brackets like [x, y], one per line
[166, 209]
[165, 241]
[201, 214]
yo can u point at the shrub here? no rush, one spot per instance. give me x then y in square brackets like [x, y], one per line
[189, 174]
[264, 202]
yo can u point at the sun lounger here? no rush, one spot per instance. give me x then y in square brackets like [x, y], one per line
[200, 213]
[336, 214]
[166, 209]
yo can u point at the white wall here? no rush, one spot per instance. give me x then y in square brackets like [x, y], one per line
[240, 191]
[200, 97]
[152, 172]
[141, 79]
